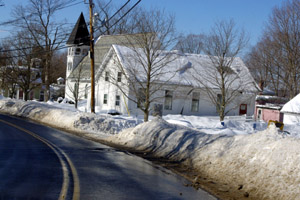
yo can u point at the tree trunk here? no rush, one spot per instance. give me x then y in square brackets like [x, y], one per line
[146, 115]
[76, 103]
[222, 114]
[26, 96]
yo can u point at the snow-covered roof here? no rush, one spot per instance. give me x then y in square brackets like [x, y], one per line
[180, 68]
[102, 46]
[293, 106]
[22, 68]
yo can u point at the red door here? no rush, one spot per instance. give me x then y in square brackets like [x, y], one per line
[20, 94]
[243, 109]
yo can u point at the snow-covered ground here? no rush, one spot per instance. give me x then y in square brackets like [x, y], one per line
[263, 160]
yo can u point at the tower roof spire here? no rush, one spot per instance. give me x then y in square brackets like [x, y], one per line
[80, 33]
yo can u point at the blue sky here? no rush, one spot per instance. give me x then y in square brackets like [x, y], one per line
[192, 16]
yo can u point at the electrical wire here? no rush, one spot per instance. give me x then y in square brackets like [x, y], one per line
[25, 55]
[24, 48]
[62, 6]
[114, 13]
[119, 10]
[102, 32]
[59, 48]
[126, 13]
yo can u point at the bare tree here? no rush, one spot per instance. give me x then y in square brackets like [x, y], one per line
[25, 69]
[37, 17]
[220, 81]
[283, 29]
[260, 64]
[264, 62]
[277, 53]
[5, 59]
[146, 50]
[191, 43]
[59, 64]
[9, 80]
[8, 74]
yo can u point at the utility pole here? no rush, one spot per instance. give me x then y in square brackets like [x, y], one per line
[92, 57]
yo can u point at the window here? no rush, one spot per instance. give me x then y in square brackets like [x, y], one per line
[20, 94]
[84, 52]
[106, 76]
[195, 102]
[77, 51]
[141, 98]
[72, 51]
[168, 99]
[119, 76]
[117, 100]
[86, 91]
[69, 65]
[105, 99]
[42, 96]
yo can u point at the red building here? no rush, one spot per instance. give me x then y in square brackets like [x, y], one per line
[268, 108]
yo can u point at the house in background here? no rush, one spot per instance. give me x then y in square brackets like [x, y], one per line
[181, 95]
[268, 108]
[13, 77]
[57, 89]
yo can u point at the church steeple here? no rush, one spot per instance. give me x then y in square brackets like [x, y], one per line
[78, 45]
[80, 33]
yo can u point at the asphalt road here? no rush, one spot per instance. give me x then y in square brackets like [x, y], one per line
[39, 162]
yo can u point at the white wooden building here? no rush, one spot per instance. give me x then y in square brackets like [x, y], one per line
[180, 95]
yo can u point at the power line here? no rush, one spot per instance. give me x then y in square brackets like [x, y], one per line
[114, 13]
[126, 13]
[119, 10]
[59, 7]
[25, 55]
[102, 32]
[24, 48]
[20, 49]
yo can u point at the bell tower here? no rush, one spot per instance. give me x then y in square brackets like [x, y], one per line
[78, 44]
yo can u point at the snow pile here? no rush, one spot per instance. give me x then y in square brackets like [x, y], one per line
[212, 125]
[265, 164]
[98, 125]
[291, 111]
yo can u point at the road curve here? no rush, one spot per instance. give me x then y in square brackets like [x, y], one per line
[66, 164]
[28, 168]
[37, 154]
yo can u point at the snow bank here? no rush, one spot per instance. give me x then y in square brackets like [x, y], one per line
[265, 164]
[211, 124]
[53, 115]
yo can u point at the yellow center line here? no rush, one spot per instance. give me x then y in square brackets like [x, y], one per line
[66, 179]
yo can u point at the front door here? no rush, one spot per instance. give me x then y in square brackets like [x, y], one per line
[243, 109]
